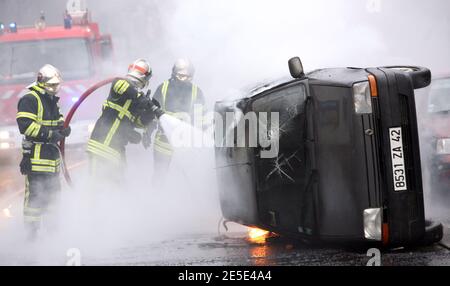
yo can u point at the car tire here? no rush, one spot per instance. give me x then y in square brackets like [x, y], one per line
[420, 76]
[434, 231]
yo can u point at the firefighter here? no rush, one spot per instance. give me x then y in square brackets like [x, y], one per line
[126, 108]
[181, 98]
[41, 123]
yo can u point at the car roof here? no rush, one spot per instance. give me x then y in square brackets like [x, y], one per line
[343, 77]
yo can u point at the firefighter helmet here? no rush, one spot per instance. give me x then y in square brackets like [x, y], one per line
[140, 72]
[49, 78]
[183, 70]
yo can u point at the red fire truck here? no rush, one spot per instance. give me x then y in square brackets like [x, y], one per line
[76, 48]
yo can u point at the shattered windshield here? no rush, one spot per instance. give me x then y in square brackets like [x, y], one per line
[288, 167]
[439, 100]
[19, 61]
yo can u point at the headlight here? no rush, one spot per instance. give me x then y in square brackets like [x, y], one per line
[372, 224]
[5, 145]
[361, 98]
[443, 146]
[5, 135]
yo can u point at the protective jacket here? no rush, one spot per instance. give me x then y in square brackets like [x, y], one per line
[38, 117]
[180, 99]
[124, 110]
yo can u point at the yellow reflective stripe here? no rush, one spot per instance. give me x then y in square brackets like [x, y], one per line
[123, 88]
[160, 142]
[51, 122]
[194, 95]
[32, 211]
[32, 218]
[162, 150]
[139, 123]
[36, 130]
[27, 192]
[164, 94]
[116, 124]
[112, 131]
[40, 114]
[46, 169]
[33, 129]
[106, 148]
[38, 88]
[199, 118]
[122, 110]
[37, 151]
[105, 151]
[118, 85]
[102, 153]
[26, 115]
[52, 163]
[125, 109]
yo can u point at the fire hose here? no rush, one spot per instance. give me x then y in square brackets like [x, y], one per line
[69, 117]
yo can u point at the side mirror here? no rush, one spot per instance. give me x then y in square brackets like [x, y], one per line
[296, 67]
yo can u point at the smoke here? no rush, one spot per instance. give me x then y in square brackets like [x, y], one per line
[232, 44]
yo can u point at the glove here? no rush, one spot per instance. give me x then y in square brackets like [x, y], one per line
[25, 165]
[155, 102]
[66, 131]
[134, 137]
[147, 95]
[155, 108]
[55, 136]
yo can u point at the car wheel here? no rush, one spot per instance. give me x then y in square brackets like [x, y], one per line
[434, 232]
[421, 77]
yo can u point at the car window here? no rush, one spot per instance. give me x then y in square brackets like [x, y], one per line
[288, 101]
[19, 61]
[288, 167]
[439, 100]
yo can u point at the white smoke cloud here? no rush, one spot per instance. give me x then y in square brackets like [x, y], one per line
[232, 43]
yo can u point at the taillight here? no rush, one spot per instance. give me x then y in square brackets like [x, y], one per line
[385, 233]
[373, 86]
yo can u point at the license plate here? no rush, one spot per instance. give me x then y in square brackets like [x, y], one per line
[398, 159]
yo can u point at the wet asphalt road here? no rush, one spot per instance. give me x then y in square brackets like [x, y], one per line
[231, 249]
[235, 250]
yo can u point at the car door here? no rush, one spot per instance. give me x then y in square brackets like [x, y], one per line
[282, 200]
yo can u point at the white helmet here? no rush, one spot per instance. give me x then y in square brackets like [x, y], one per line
[49, 78]
[183, 70]
[140, 72]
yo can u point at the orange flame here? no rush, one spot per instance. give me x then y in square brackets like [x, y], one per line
[257, 235]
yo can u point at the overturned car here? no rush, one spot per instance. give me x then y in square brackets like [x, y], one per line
[346, 167]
